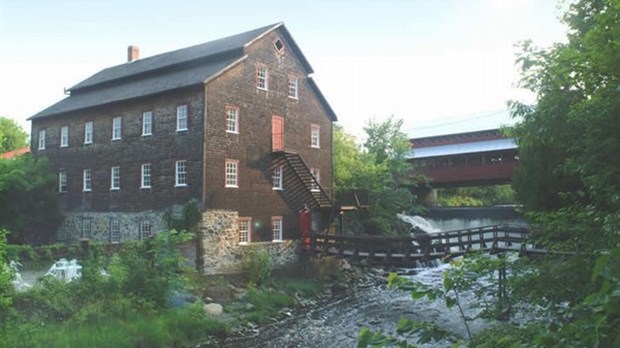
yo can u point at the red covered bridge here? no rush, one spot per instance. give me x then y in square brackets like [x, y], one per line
[465, 159]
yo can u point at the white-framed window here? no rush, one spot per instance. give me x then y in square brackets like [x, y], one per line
[316, 174]
[276, 228]
[64, 136]
[315, 138]
[147, 123]
[115, 230]
[117, 123]
[42, 139]
[87, 181]
[181, 118]
[181, 173]
[115, 178]
[87, 228]
[232, 119]
[262, 77]
[146, 176]
[88, 132]
[232, 179]
[277, 177]
[245, 230]
[292, 87]
[62, 181]
[146, 229]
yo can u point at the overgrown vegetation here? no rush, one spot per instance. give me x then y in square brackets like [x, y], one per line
[483, 196]
[569, 181]
[148, 296]
[28, 202]
[190, 216]
[12, 136]
[379, 166]
[133, 304]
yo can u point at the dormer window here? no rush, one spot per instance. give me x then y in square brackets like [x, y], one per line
[278, 45]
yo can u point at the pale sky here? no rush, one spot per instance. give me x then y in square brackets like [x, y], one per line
[443, 66]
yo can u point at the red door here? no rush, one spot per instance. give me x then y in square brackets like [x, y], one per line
[277, 133]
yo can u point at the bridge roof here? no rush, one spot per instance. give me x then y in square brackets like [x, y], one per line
[463, 148]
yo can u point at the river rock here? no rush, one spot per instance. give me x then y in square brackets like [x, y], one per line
[214, 309]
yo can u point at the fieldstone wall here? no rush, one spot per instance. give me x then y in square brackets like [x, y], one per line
[220, 248]
[72, 228]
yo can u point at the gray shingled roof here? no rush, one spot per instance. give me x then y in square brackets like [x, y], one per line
[136, 88]
[172, 70]
[184, 55]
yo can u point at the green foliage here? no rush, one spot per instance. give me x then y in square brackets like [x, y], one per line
[476, 196]
[568, 142]
[265, 303]
[257, 265]
[126, 308]
[190, 217]
[28, 204]
[6, 276]
[380, 167]
[12, 136]
[171, 328]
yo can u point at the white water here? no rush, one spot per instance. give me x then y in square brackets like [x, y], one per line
[18, 282]
[65, 270]
[418, 222]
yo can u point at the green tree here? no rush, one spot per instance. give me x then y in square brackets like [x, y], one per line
[28, 204]
[476, 196]
[12, 136]
[568, 142]
[379, 166]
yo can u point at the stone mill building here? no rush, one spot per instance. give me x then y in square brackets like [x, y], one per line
[236, 126]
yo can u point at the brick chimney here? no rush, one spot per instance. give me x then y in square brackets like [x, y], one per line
[133, 53]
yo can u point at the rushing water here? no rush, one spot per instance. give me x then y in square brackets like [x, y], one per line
[337, 321]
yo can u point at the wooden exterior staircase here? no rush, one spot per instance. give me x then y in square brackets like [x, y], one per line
[300, 186]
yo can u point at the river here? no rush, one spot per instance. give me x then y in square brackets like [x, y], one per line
[336, 321]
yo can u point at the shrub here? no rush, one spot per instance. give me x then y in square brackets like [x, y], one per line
[257, 265]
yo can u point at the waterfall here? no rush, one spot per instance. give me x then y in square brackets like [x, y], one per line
[419, 223]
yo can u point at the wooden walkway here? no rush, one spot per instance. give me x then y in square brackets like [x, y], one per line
[407, 251]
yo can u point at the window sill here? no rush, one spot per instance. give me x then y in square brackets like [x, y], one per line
[315, 190]
[115, 188]
[147, 135]
[116, 139]
[63, 146]
[180, 185]
[145, 187]
[315, 147]
[232, 132]
[244, 243]
[88, 143]
[277, 241]
[294, 98]
[278, 189]
[231, 186]
[262, 89]
[40, 149]
[182, 130]
[87, 190]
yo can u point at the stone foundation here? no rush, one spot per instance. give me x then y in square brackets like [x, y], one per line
[73, 227]
[221, 251]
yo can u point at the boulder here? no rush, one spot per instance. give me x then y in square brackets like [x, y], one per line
[214, 309]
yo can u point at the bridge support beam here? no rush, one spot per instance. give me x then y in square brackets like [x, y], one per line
[430, 199]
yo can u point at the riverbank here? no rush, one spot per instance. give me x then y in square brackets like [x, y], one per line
[289, 293]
